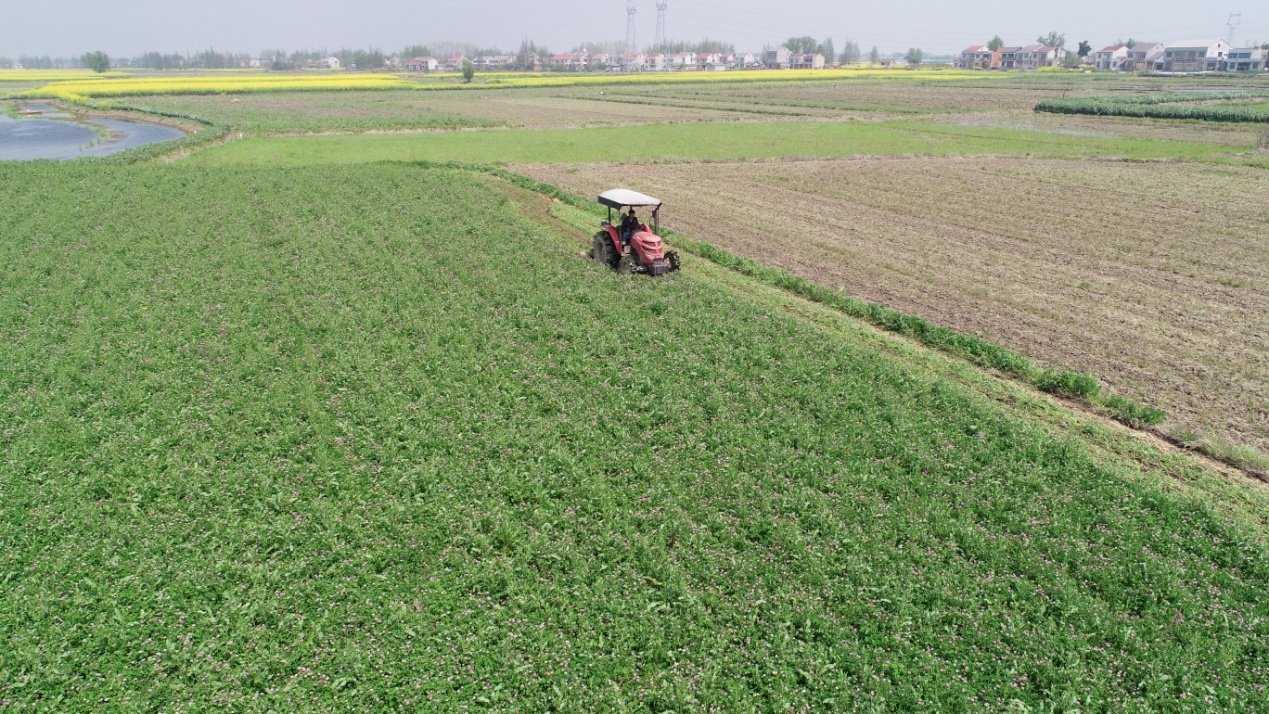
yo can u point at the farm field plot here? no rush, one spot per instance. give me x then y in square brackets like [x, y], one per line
[78, 90]
[1002, 101]
[1154, 277]
[541, 111]
[361, 438]
[1239, 137]
[887, 97]
[980, 91]
[658, 104]
[300, 112]
[696, 141]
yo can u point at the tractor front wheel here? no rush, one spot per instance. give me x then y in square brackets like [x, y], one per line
[629, 265]
[673, 257]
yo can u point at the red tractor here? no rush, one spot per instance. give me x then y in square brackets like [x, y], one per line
[630, 246]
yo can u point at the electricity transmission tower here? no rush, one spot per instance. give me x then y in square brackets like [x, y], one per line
[1235, 19]
[662, 40]
[630, 27]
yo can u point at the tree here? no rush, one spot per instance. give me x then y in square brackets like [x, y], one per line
[914, 56]
[874, 56]
[851, 53]
[996, 43]
[805, 44]
[469, 71]
[1072, 60]
[529, 53]
[1085, 49]
[96, 61]
[1053, 39]
[829, 52]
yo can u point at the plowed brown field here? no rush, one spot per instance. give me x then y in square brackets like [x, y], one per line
[1154, 277]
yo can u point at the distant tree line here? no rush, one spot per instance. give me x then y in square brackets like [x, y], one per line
[42, 62]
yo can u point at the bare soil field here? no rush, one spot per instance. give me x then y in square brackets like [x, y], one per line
[1154, 277]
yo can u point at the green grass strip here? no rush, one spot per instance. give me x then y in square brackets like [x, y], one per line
[1172, 105]
[978, 351]
[696, 141]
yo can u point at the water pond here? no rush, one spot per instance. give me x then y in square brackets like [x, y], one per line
[52, 136]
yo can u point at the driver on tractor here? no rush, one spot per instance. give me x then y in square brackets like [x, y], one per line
[629, 224]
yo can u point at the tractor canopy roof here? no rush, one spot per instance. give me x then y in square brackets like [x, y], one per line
[618, 197]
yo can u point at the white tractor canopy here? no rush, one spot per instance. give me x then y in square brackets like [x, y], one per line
[619, 197]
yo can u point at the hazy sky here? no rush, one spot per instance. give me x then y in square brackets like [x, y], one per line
[131, 27]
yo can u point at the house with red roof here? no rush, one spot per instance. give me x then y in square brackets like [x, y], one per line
[978, 57]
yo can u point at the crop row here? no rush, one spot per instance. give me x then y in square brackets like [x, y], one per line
[1163, 106]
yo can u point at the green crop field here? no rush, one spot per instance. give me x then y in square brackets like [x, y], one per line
[692, 142]
[300, 112]
[365, 438]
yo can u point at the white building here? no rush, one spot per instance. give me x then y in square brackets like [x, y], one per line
[634, 62]
[778, 58]
[1037, 56]
[1195, 56]
[1110, 59]
[422, 64]
[1143, 57]
[1248, 59]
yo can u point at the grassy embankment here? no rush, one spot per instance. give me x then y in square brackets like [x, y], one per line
[692, 142]
[359, 437]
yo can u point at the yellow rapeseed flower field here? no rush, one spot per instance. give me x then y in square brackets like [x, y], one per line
[84, 87]
[81, 91]
[53, 75]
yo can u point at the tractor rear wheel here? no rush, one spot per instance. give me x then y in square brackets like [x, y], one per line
[597, 247]
[606, 254]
